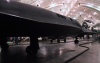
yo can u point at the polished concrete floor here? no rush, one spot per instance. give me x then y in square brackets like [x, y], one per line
[53, 53]
[91, 56]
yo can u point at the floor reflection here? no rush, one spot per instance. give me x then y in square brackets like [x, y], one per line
[31, 59]
[6, 57]
[17, 54]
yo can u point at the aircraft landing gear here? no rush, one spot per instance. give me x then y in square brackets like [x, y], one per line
[3, 43]
[64, 40]
[58, 40]
[32, 49]
[76, 41]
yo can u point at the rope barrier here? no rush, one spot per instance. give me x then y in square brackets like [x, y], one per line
[81, 45]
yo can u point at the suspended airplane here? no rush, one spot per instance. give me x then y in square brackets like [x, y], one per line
[19, 19]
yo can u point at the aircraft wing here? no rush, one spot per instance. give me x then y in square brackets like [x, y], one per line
[87, 31]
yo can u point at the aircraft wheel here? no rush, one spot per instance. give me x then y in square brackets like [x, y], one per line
[4, 47]
[31, 51]
[28, 50]
[65, 40]
[35, 51]
[51, 40]
[58, 40]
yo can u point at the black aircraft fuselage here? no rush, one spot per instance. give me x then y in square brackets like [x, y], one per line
[19, 19]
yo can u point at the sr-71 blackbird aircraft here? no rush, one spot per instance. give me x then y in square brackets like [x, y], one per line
[19, 19]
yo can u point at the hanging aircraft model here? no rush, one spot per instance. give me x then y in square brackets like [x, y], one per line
[19, 19]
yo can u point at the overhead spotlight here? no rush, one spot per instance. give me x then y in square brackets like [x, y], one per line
[89, 16]
[94, 13]
[53, 5]
[81, 13]
[69, 16]
[85, 18]
[70, 13]
[8, 0]
[78, 6]
[97, 20]
[75, 7]
[73, 10]
[74, 18]
[84, 10]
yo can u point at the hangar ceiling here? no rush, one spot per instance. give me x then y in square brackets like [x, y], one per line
[77, 9]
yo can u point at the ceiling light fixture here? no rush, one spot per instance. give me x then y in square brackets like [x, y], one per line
[94, 13]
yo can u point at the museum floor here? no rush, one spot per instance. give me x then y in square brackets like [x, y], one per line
[54, 53]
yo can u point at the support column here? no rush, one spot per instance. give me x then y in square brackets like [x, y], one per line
[76, 40]
[58, 39]
[65, 39]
